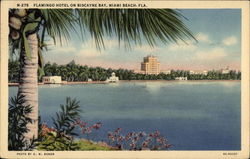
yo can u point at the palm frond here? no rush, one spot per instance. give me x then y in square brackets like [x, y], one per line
[128, 25]
[59, 23]
[134, 25]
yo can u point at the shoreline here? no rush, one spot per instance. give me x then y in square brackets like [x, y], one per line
[179, 80]
[139, 81]
[65, 83]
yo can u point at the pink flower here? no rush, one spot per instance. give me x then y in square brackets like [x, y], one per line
[145, 144]
[120, 138]
[168, 146]
[110, 135]
[97, 125]
[141, 134]
[132, 145]
[127, 138]
[157, 133]
[129, 134]
[88, 130]
[136, 138]
[118, 130]
[83, 131]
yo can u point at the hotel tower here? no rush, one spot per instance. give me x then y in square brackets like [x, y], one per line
[150, 65]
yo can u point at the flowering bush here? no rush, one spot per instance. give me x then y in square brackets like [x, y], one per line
[138, 140]
[84, 128]
[53, 139]
[61, 136]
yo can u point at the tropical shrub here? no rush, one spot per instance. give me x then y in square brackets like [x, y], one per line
[90, 145]
[61, 136]
[138, 140]
[85, 129]
[18, 120]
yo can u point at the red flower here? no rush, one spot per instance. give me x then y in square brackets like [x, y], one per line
[120, 138]
[132, 145]
[46, 129]
[145, 144]
[118, 130]
[97, 125]
[157, 133]
[168, 146]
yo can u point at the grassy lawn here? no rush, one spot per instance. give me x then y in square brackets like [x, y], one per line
[89, 145]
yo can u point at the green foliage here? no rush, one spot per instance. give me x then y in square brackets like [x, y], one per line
[134, 25]
[14, 70]
[31, 26]
[61, 138]
[88, 145]
[79, 145]
[67, 117]
[18, 120]
[74, 72]
[55, 142]
[59, 23]
[128, 25]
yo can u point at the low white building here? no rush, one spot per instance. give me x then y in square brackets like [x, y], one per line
[139, 71]
[113, 78]
[198, 72]
[167, 72]
[181, 78]
[52, 80]
[225, 71]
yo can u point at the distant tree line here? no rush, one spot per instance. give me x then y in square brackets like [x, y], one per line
[74, 72]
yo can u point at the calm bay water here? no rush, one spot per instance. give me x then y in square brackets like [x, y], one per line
[192, 115]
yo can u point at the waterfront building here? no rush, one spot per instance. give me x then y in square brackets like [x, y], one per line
[139, 71]
[52, 80]
[198, 72]
[225, 71]
[113, 78]
[167, 72]
[181, 78]
[150, 65]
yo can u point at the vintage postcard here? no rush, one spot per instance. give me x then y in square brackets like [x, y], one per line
[124, 79]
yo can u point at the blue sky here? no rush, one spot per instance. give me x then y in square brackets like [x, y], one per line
[217, 30]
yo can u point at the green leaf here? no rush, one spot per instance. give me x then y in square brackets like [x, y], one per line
[41, 64]
[40, 72]
[29, 27]
[134, 25]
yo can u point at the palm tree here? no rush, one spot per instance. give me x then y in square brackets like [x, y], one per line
[29, 27]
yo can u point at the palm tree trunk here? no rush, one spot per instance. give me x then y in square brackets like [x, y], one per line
[29, 84]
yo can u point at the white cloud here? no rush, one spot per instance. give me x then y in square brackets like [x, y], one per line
[202, 37]
[181, 46]
[88, 49]
[66, 49]
[89, 52]
[63, 49]
[146, 48]
[230, 41]
[108, 43]
[111, 43]
[216, 53]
